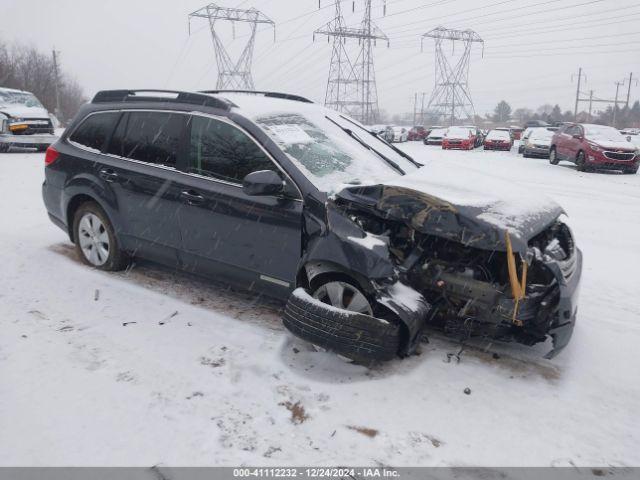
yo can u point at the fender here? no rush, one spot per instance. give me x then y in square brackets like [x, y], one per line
[90, 186]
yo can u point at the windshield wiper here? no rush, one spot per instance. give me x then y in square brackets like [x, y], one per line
[355, 136]
[390, 145]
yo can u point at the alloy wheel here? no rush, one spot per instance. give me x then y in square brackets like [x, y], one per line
[94, 239]
[344, 296]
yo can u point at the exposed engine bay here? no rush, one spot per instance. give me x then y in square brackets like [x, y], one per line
[506, 293]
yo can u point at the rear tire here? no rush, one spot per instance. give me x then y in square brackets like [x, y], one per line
[553, 157]
[96, 242]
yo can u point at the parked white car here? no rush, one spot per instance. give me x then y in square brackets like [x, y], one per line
[24, 121]
[435, 137]
[397, 134]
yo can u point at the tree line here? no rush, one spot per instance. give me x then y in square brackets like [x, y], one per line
[24, 67]
[624, 116]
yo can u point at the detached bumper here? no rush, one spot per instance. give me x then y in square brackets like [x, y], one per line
[566, 312]
[28, 141]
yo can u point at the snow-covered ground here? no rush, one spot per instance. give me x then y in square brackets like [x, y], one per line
[156, 367]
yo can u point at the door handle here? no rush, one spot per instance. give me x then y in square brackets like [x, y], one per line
[191, 197]
[108, 175]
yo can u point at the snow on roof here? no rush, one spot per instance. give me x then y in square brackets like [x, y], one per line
[498, 134]
[12, 90]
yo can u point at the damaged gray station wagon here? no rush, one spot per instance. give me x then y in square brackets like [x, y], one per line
[285, 197]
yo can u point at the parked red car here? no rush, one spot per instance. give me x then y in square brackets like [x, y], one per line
[498, 140]
[418, 133]
[593, 147]
[461, 138]
[516, 132]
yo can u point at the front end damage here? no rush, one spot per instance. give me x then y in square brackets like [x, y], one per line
[452, 267]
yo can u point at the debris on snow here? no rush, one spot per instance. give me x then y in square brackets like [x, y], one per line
[369, 432]
[298, 414]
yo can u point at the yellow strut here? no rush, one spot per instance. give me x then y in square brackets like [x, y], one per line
[518, 287]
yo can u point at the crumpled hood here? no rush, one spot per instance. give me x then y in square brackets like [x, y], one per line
[22, 111]
[465, 206]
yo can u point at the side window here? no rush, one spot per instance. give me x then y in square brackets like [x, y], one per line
[222, 151]
[151, 137]
[94, 131]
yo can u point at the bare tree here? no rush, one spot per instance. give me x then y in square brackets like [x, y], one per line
[25, 68]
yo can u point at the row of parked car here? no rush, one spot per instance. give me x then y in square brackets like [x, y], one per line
[590, 147]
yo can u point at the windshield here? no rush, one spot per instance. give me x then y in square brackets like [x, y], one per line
[327, 155]
[19, 98]
[498, 135]
[602, 133]
[458, 132]
[438, 133]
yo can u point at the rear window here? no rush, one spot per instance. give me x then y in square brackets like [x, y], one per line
[150, 137]
[95, 130]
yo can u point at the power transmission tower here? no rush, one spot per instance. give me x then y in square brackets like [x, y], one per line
[351, 86]
[450, 97]
[233, 75]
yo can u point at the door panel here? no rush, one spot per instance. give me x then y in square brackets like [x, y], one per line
[254, 240]
[139, 165]
[258, 237]
[148, 201]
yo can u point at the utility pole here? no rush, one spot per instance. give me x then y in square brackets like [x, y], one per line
[575, 111]
[351, 86]
[615, 104]
[233, 75]
[629, 88]
[415, 108]
[56, 82]
[590, 103]
[451, 97]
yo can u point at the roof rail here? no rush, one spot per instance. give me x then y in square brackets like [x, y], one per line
[107, 96]
[284, 96]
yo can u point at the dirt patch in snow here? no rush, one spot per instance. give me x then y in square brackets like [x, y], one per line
[208, 362]
[243, 305]
[368, 432]
[517, 367]
[298, 413]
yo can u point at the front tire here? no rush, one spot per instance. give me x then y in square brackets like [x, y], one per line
[581, 162]
[553, 157]
[4, 147]
[95, 239]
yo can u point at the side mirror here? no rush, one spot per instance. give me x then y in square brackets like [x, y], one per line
[628, 138]
[262, 183]
[577, 136]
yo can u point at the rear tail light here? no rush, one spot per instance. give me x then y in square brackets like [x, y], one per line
[51, 156]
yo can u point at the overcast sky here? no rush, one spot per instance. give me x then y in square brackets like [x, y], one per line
[532, 49]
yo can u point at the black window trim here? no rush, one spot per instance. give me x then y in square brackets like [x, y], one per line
[84, 120]
[248, 135]
[176, 169]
